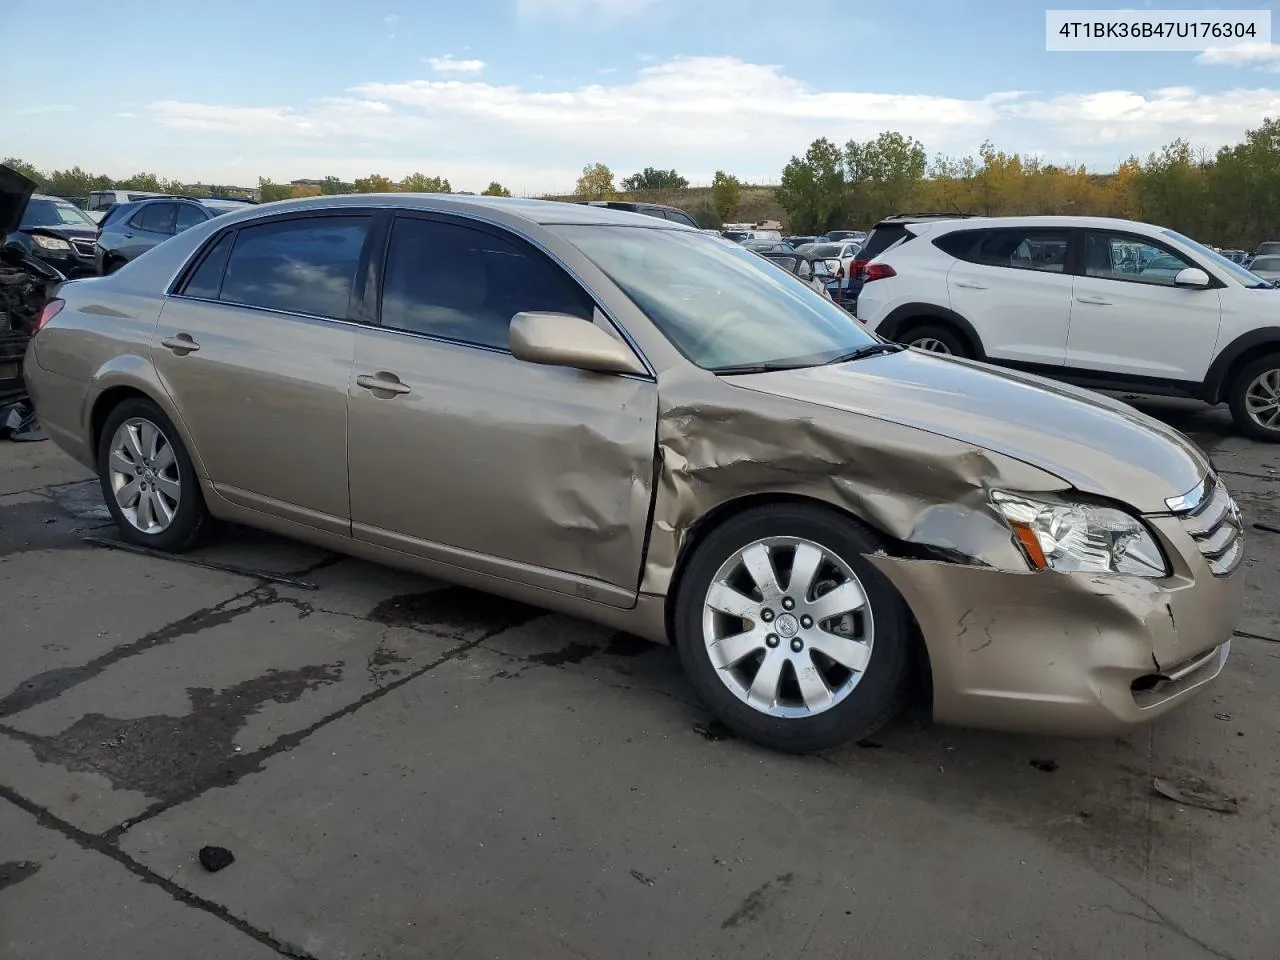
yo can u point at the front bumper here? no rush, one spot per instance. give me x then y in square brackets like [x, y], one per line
[1069, 654]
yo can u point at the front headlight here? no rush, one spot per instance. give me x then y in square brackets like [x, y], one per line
[1080, 537]
[50, 243]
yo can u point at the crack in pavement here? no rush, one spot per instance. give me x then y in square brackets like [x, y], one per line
[51, 684]
[97, 844]
[1160, 920]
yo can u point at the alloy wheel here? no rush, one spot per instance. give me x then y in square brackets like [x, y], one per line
[788, 627]
[1262, 400]
[931, 344]
[144, 477]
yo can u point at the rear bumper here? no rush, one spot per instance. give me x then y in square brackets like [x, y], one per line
[1065, 654]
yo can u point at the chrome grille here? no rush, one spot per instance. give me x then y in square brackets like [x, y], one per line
[1211, 517]
[84, 247]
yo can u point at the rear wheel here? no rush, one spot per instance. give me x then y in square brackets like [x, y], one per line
[1254, 397]
[148, 480]
[791, 637]
[111, 265]
[936, 339]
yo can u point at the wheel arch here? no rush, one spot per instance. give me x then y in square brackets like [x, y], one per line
[901, 318]
[721, 513]
[1238, 354]
[129, 376]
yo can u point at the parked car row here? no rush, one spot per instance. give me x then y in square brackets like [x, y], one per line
[1108, 304]
[618, 417]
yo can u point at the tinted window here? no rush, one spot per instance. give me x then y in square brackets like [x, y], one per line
[1114, 256]
[679, 216]
[464, 284]
[208, 276]
[188, 216]
[881, 239]
[303, 266]
[154, 217]
[1018, 249]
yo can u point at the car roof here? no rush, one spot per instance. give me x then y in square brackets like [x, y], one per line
[541, 212]
[1102, 223]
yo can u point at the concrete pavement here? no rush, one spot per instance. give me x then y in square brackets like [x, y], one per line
[405, 769]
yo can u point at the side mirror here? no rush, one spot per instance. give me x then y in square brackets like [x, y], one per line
[561, 340]
[804, 270]
[1191, 277]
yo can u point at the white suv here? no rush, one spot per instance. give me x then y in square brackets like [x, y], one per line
[1107, 304]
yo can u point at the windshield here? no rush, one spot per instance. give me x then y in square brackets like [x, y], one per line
[713, 301]
[1265, 263]
[1238, 273]
[825, 250]
[54, 213]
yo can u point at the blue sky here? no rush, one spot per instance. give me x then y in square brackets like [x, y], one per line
[528, 91]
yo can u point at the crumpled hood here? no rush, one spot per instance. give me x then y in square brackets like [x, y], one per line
[1098, 445]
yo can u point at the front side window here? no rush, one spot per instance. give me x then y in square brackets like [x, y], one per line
[1115, 256]
[716, 302]
[459, 283]
[54, 213]
[307, 265]
[154, 218]
[1234, 270]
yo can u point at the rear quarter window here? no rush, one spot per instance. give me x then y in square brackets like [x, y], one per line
[881, 239]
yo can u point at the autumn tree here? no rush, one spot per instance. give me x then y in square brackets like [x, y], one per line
[653, 179]
[374, 183]
[300, 190]
[495, 189]
[596, 182]
[726, 194]
[813, 189]
[421, 183]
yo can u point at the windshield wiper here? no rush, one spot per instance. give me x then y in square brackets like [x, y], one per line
[868, 350]
[766, 367]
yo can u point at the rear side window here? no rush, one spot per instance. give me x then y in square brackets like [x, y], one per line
[207, 279]
[881, 239]
[679, 216]
[300, 266]
[452, 281]
[1044, 250]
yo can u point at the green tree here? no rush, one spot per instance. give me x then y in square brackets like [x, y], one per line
[726, 194]
[141, 181]
[653, 179]
[268, 191]
[333, 186]
[421, 183]
[374, 183]
[813, 189]
[596, 182]
[707, 214]
[26, 169]
[884, 174]
[495, 189]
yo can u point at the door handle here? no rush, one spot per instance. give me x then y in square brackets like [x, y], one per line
[382, 383]
[128, 236]
[1099, 301]
[182, 344]
[970, 285]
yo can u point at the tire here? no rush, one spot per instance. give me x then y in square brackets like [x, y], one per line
[866, 699]
[1261, 378]
[943, 339]
[111, 265]
[189, 522]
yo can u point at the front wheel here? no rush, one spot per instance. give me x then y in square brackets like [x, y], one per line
[936, 339]
[792, 638]
[148, 480]
[1254, 397]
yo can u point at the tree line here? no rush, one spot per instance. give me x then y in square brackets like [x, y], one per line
[1230, 197]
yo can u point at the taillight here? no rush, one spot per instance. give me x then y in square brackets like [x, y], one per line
[50, 310]
[856, 268]
[877, 271]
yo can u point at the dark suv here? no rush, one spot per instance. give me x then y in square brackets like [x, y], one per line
[58, 233]
[883, 236]
[131, 229]
[659, 210]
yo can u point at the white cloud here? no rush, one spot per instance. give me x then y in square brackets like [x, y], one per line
[696, 114]
[391, 18]
[447, 64]
[1259, 55]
